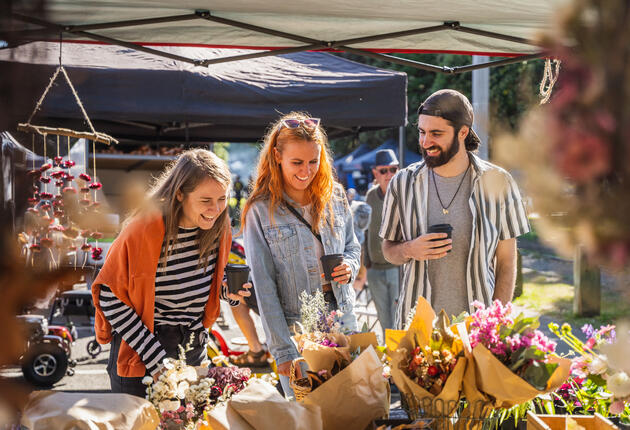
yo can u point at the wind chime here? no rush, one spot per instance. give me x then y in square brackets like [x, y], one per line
[60, 202]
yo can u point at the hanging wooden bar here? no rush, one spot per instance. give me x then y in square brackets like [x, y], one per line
[96, 136]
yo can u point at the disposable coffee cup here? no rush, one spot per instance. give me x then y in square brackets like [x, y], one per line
[329, 262]
[441, 228]
[237, 275]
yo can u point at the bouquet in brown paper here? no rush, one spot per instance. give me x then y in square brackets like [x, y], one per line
[321, 339]
[428, 362]
[513, 361]
[352, 394]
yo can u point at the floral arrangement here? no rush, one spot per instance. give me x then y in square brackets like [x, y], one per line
[574, 151]
[318, 325]
[430, 365]
[183, 394]
[595, 384]
[514, 341]
[327, 347]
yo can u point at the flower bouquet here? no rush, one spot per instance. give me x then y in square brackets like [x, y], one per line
[183, 394]
[598, 382]
[323, 341]
[513, 361]
[427, 362]
[345, 372]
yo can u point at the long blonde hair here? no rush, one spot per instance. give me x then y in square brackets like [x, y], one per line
[183, 175]
[269, 183]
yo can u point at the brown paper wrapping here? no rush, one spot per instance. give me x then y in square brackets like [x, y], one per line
[320, 357]
[401, 343]
[58, 410]
[259, 406]
[355, 396]
[506, 389]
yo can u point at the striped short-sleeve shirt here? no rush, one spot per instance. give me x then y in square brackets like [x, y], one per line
[498, 213]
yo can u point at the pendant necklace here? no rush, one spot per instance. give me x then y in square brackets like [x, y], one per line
[445, 209]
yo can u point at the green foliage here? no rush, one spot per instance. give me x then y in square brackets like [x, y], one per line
[513, 89]
[222, 150]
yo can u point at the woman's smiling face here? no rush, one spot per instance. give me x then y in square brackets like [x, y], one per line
[299, 162]
[203, 205]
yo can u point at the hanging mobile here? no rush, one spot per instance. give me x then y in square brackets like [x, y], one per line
[59, 220]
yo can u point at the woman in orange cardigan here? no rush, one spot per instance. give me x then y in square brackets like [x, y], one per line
[162, 279]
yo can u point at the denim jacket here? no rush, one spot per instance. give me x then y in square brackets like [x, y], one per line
[284, 263]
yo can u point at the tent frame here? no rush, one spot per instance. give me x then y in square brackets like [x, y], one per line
[309, 43]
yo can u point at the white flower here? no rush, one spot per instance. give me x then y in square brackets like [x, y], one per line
[189, 373]
[599, 365]
[619, 385]
[181, 389]
[169, 405]
[619, 351]
[147, 380]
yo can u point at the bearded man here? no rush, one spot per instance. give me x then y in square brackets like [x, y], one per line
[478, 201]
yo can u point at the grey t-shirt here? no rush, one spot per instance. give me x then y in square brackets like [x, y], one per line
[447, 275]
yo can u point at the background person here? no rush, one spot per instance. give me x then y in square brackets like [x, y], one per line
[160, 285]
[295, 187]
[382, 276]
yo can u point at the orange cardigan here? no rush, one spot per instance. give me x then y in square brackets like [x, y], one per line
[129, 271]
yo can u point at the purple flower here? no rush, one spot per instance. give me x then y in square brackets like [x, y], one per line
[588, 330]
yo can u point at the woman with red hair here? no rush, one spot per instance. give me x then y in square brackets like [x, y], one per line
[295, 214]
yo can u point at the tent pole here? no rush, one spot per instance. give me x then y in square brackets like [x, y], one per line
[205, 14]
[480, 102]
[401, 146]
[471, 67]
[259, 55]
[109, 40]
[396, 60]
[458, 27]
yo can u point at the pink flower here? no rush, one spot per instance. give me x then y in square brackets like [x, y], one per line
[617, 407]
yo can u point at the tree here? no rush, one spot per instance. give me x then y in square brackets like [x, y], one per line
[512, 91]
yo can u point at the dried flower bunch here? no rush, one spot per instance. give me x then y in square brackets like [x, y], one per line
[430, 365]
[183, 394]
[575, 150]
[63, 214]
[317, 323]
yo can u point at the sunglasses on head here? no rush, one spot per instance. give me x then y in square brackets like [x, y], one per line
[392, 169]
[295, 122]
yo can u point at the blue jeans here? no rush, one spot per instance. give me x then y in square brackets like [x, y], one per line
[384, 288]
[170, 337]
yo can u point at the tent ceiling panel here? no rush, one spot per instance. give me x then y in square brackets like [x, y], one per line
[325, 20]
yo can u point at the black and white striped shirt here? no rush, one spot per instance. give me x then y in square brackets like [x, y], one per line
[498, 213]
[182, 289]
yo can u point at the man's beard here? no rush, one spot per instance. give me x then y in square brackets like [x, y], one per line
[443, 157]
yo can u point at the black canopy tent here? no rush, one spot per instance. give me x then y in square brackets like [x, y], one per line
[137, 96]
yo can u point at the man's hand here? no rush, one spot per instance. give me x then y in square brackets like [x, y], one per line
[240, 297]
[285, 369]
[420, 248]
[424, 248]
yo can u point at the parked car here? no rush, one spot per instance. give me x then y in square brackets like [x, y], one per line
[47, 357]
